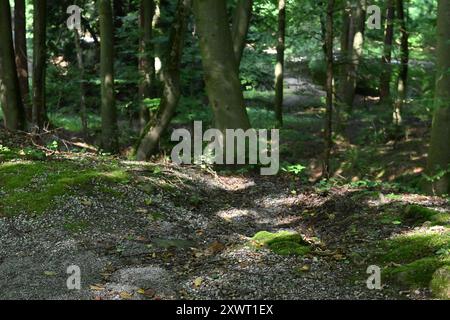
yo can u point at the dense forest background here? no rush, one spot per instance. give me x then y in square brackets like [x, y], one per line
[362, 105]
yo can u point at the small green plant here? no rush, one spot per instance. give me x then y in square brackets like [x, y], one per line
[295, 169]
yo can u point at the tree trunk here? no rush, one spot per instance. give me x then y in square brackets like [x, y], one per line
[83, 111]
[404, 60]
[329, 88]
[148, 143]
[146, 59]
[2, 89]
[20, 44]
[241, 23]
[108, 105]
[219, 63]
[439, 155]
[385, 78]
[279, 68]
[13, 110]
[39, 63]
[355, 50]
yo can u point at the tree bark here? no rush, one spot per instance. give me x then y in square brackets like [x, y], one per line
[385, 78]
[13, 110]
[83, 111]
[329, 88]
[20, 44]
[148, 143]
[355, 51]
[279, 68]
[39, 117]
[439, 154]
[402, 80]
[146, 59]
[241, 23]
[219, 64]
[108, 104]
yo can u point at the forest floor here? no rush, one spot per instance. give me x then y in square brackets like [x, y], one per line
[158, 231]
[164, 232]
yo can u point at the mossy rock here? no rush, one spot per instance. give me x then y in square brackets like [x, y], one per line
[442, 219]
[440, 283]
[416, 274]
[407, 248]
[282, 243]
[418, 214]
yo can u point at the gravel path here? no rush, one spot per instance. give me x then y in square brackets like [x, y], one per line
[180, 234]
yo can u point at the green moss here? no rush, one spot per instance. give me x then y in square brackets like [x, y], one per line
[416, 274]
[76, 226]
[418, 213]
[31, 187]
[282, 243]
[411, 259]
[440, 283]
[442, 219]
[410, 247]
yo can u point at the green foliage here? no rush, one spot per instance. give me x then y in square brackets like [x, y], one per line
[295, 169]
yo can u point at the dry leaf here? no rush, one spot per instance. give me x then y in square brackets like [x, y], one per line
[198, 282]
[125, 296]
[97, 287]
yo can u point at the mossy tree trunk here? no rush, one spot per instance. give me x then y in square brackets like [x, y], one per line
[146, 59]
[279, 67]
[148, 144]
[385, 77]
[439, 154]
[241, 23]
[13, 110]
[108, 103]
[39, 117]
[20, 45]
[220, 67]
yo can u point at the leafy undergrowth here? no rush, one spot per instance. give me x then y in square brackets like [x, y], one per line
[282, 242]
[32, 186]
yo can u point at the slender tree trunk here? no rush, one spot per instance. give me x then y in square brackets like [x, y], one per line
[439, 155]
[148, 143]
[355, 51]
[39, 63]
[329, 88]
[404, 60]
[241, 23]
[83, 111]
[13, 110]
[2, 89]
[146, 59]
[108, 105]
[385, 78]
[20, 44]
[220, 68]
[279, 68]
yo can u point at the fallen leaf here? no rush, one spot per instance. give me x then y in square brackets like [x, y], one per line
[97, 287]
[216, 247]
[50, 273]
[126, 296]
[198, 282]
